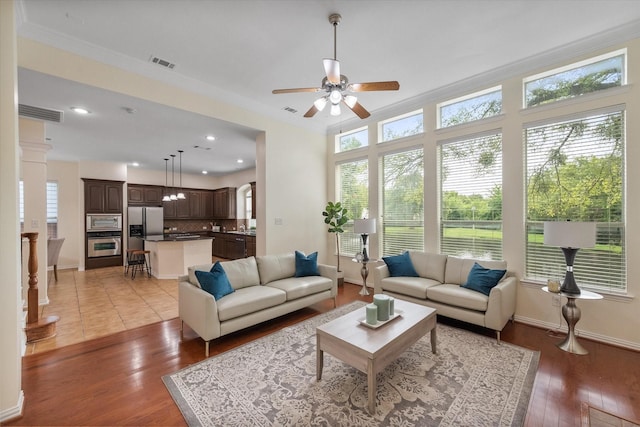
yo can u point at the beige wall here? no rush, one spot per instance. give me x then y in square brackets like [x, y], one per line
[615, 319]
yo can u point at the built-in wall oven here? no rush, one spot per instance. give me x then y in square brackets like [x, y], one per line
[104, 235]
[104, 243]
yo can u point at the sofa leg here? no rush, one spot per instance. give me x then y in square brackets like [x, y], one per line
[335, 302]
[498, 336]
[206, 349]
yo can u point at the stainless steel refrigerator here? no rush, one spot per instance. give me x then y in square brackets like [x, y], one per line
[143, 221]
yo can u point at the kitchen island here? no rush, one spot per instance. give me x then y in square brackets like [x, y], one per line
[171, 255]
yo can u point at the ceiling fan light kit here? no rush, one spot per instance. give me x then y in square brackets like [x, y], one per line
[337, 87]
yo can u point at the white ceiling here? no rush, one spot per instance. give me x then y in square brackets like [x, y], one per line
[238, 51]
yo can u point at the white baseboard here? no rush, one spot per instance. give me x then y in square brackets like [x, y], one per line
[15, 412]
[580, 333]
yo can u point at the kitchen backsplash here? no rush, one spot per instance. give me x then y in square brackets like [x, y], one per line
[197, 226]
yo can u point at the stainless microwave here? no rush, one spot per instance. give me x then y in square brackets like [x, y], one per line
[104, 222]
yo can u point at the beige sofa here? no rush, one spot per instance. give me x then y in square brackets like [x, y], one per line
[265, 287]
[439, 287]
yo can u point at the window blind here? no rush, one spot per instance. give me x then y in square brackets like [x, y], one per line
[353, 193]
[471, 197]
[575, 170]
[402, 197]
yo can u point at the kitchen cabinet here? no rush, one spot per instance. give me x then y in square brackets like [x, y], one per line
[234, 246]
[224, 203]
[194, 198]
[102, 196]
[169, 210]
[253, 199]
[206, 204]
[250, 246]
[183, 206]
[144, 195]
[217, 248]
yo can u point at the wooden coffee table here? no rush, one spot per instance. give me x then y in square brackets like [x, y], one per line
[370, 350]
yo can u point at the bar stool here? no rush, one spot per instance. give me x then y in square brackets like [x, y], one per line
[131, 260]
[138, 260]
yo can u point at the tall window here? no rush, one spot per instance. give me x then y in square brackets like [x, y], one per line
[476, 106]
[402, 187]
[353, 194]
[577, 79]
[471, 197]
[52, 208]
[401, 126]
[575, 170]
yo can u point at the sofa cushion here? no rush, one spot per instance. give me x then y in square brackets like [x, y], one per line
[306, 265]
[428, 265]
[249, 300]
[458, 269]
[298, 287]
[400, 265]
[483, 279]
[411, 286]
[242, 272]
[458, 296]
[192, 272]
[276, 267]
[215, 281]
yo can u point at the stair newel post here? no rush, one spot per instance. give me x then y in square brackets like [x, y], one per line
[32, 293]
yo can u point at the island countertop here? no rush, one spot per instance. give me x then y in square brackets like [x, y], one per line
[179, 237]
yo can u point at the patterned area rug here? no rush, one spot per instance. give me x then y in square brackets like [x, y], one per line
[471, 381]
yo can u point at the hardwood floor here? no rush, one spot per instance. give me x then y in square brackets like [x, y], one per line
[116, 379]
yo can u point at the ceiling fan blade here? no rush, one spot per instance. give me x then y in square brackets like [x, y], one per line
[312, 111]
[298, 89]
[364, 87]
[359, 110]
[332, 70]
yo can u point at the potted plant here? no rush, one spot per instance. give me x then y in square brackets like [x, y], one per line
[336, 216]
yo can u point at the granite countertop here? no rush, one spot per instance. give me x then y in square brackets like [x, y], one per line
[176, 237]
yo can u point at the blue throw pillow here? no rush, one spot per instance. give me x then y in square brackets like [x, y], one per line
[483, 279]
[215, 281]
[400, 265]
[306, 265]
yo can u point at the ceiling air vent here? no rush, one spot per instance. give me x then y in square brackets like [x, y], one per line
[162, 62]
[40, 113]
[291, 110]
[200, 147]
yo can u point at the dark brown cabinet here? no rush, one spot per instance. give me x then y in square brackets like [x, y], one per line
[224, 203]
[253, 200]
[250, 246]
[169, 210]
[102, 196]
[195, 204]
[144, 195]
[206, 204]
[217, 249]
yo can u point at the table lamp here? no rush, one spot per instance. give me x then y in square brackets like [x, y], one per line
[570, 236]
[364, 227]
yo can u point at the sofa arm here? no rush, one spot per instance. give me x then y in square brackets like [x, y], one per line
[379, 273]
[502, 303]
[330, 272]
[198, 309]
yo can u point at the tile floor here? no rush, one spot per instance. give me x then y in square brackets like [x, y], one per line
[103, 301]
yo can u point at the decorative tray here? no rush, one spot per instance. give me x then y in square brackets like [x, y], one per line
[380, 323]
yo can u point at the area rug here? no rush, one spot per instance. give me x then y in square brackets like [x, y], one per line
[471, 381]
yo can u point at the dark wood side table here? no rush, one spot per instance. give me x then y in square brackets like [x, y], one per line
[571, 313]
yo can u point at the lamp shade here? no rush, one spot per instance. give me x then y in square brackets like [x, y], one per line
[570, 234]
[364, 226]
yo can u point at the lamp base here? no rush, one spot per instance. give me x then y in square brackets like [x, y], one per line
[569, 285]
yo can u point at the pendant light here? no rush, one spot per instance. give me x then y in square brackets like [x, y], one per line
[173, 196]
[165, 197]
[180, 193]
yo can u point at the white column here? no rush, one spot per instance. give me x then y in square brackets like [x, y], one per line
[34, 177]
[11, 315]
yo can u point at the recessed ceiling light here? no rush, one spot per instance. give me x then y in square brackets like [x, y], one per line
[211, 138]
[136, 164]
[80, 110]
[240, 161]
[204, 172]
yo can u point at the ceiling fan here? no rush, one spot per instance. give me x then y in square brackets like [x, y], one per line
[337, 87]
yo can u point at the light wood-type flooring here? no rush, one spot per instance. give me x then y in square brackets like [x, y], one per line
[116, 379]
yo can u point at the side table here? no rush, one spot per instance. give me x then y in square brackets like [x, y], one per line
[571, 313]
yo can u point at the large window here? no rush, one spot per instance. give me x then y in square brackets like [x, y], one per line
[471, 197]
[575, 171]
[353, 193]
[402, 188]
[577, 79]
[401, 126]
[52, 208]
[473, 107]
